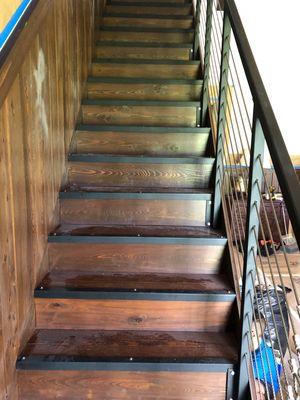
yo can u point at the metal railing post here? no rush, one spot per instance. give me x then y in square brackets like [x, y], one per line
[221, 127]
[250, 250]
[197, 29]
[206, 66]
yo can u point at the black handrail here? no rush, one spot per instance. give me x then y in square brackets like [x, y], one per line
[283, 166]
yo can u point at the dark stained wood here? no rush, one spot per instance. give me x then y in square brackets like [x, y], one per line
[147, 22]
[87, 175]
[139, 115]
[133, 212]
[150, 53]
[152, 37]
[120, 385]
[73, 279]
[144, 70]
[144, 91]
[131, 258]
[145, 315]
[41, 85]
[144, 10]
[141, 230]
[136, 344]
[139, 143]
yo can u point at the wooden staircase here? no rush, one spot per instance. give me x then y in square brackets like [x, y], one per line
[139, 303]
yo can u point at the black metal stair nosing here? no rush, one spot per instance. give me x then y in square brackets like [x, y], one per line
[135, 295]
[140, 159]
[144, 61]
[140, 129]
[146, 16]
[132, 81]
[86, 239]
[42, 363]
[162, 45]
[82, 195]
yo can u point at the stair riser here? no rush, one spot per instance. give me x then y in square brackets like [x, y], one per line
[144, 91]
[85, 176]
[139, 115]
[125, 385]
[91, 212]
[146, 315]
[148, 10]
[152, 1]
[150, 53]
[126, 143]
[153, 37]
[164, 71]
[137, 258]
[147, 22]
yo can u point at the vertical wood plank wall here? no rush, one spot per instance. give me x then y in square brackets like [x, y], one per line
[41, 84]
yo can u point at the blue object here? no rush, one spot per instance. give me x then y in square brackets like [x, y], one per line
[7, 31]
[266, 368]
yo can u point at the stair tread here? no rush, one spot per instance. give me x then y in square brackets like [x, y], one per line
[95, 79]
[115, 43]
[140, 129]
[215, 283]
[145, 29]
[70, 191]
[112, 158]
[141, 230]
[147, 16]
[94, 345]
[144, 61]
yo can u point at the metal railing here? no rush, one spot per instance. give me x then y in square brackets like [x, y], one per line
[260, 204]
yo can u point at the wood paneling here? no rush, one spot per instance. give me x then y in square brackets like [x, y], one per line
[85, 175]
[91, 212]
[41, 83]
[140, 143]
[79, 385]
[130, 258]
[145, 315]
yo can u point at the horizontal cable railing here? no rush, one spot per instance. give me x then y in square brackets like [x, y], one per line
[258, 194]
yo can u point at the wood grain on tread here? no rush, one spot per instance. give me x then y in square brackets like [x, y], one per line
[136, 344]
[120, 385]
[132, 258]
[132, 143]
[151, 53]
[144, 10]
[74, 279]
[85, 175]
[133, 212]
[147, 22]
[144, 91]
[107, 314]
[200, 232]
[144, 70]
[152, 37]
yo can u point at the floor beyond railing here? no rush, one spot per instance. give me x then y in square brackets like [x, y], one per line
[257, 191]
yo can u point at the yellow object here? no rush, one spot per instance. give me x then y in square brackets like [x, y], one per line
[7, 9]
